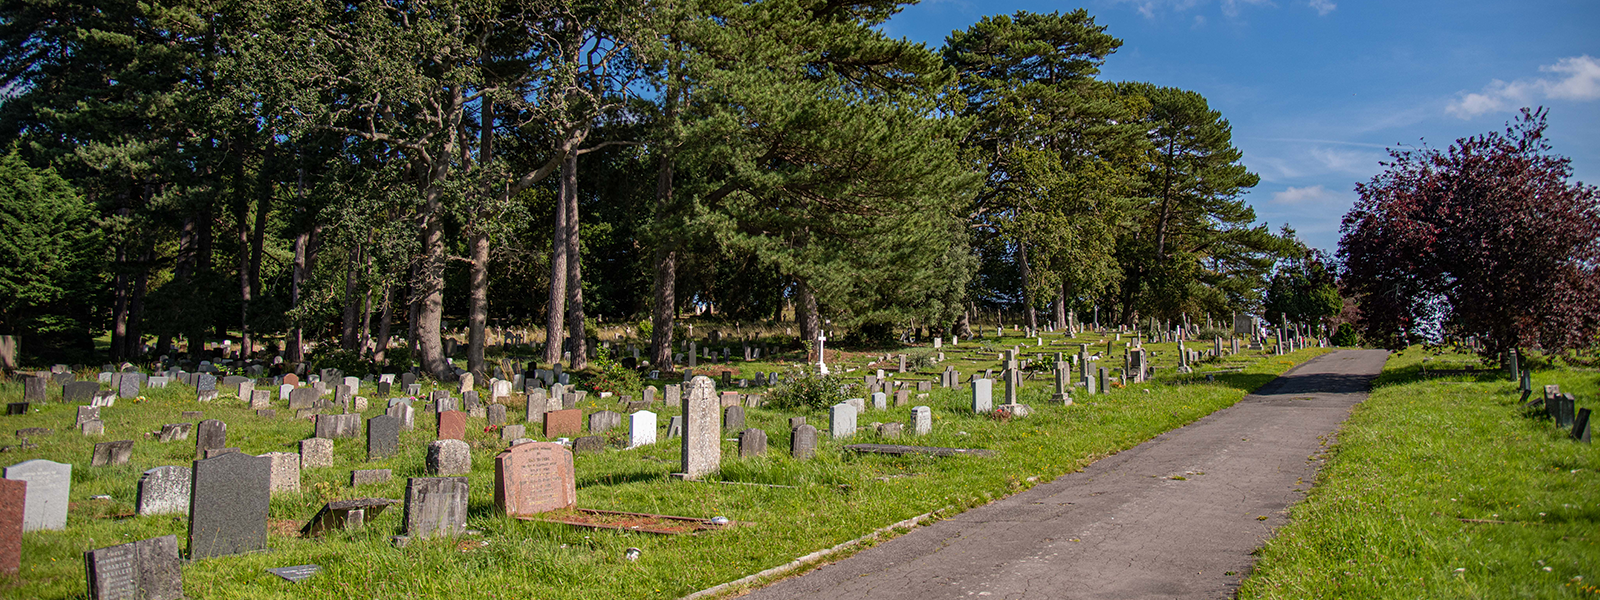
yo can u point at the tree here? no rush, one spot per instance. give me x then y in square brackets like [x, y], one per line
[1304, 289]
[47, 249]
[1488, 239]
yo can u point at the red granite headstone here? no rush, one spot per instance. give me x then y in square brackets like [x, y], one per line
[291, 379]
[534, 478]
[567, 422]
[452, 425]
[12, 493]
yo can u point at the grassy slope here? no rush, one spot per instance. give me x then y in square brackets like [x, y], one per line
[836, 496]
[1418, 456]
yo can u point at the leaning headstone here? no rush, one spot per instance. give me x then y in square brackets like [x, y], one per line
[48, 486]
[449, 457]
[228, 506]
[347, 515]
[174, 431]
[285, 471]
[209, 435]
[315, 453]
[534, 478]
[982, 396]
[921, 420]
[435, 506]
[603, 421]
[702, 432]
[146, 570]
[733, 418]
[111, 453]
[163, 490]
[403, 413]
[803, 442]
[561, 423]
[641, 429]
[86, 414]
[674, 426]
[383, 436]
[841, 421]
[752, 442]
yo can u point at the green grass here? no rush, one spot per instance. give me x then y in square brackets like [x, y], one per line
[835, 497]
[1386, 519]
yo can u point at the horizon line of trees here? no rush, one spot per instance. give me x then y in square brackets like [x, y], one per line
[352, 173]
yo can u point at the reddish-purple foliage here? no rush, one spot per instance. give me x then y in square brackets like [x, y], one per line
[1488, 237]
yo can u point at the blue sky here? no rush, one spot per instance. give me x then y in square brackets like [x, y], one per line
[1317, 89]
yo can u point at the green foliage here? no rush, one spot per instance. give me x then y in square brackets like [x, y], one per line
[1304, 290]
[1346, 336]
[606, 374]
[48, 273]
[349, 362]
[806, 390]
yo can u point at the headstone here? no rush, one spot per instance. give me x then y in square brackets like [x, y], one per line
[702, 431]
[362, 477]
[561, 423]
[674, 426]
[449, 457]
[285, 472]
[903, 397]
[48, 486]
[733, 418]
[13, 496]
[534, 478]
[173, 432]
[982, 396]
[589, 444]
[674, 394]
[641, 429]
[33, 389]
[403, 413]
[603, 421]
[435, 506]
[228, 505]
[752, 442]
[210, 434]
[383, 436]
[146, 570]
[79, 391]
[86, 414]
[880, 401]
[338, 426]
[205, 382]
[512, 432]
[112, 453]
[889, 430]
[316, 453]
[340, 514]
[921, 420]
[803, 442]
[841, 421]
[452, 425]
[302, 398]
[496, 413]
[163, 490]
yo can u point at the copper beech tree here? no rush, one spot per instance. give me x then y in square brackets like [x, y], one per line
[1488, 240]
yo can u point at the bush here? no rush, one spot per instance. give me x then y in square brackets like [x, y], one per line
[348, 362]
[1346, 336]
[805, 389]
[608, 375]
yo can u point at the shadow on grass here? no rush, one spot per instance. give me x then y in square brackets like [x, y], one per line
[620, 479]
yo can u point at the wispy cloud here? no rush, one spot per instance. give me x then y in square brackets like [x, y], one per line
[1577, 78]
[1149, 8]
[1323, 7]
[1315, 194]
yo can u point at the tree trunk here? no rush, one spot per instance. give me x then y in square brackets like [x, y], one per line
[430, 281]
[576, 339]
[1032, 314]
[666, 259]
[263, 206]
[382, 342]
[413, 314]
[352, 280]
[556, 309]
[366, 315]
[241, 213]
[806, 313]
[141, 283]
[478, 312]
[119, 308]
[1061, 308]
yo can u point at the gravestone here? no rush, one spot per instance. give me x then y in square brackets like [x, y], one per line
[650, 394]
[889, 430]
[921, 420]
[435, 506]
[339, 514]
[733, 418]
[903, 397]
[589, 444]
[534, 478]
[145, 570]
[205, 382]
[316, 453]
[603, 421]
[302, 398]
[16, 408]
[228, 505]
[641, 429]
[702, 432]
[383, 436]
[86, 414]
[111, 453]
[79, 391]
[163, 490]
[449, 457]
[33, 389]
[674, 426]
[174, 431]
[538, 403]
[49, 484]
[841, 421]
[982, 396]
[512, 432]
[497, 414]
[752, 442]
[362, 477]
[880, 401]
[338, 426]
[129, 386]
[803, 442]
[260, 399]
[209, 435]
[452, 425]
[403, 413]
[219, 451]
[561, 423]
[13, 495]
[284, 472]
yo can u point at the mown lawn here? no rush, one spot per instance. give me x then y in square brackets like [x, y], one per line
[1445, 488]
[833, 498]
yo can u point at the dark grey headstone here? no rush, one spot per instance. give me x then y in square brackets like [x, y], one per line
[228, 505]
[205, 382]
[752, 442]
[16, 408]
[435, 506]
[147, 570]
[302, 398]
[112, 453]
[79, 391]
[383, 436]
[803, 442]
[211, 434]
[130, 385]
[589, 444]
[344, 514]
[733, 418]
[297, 573]
[497, 414]
[33, 388]
[603, 421]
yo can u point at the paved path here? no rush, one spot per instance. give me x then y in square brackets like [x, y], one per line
[1122, 527]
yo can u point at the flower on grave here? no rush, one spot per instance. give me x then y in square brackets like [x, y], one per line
[490, 428]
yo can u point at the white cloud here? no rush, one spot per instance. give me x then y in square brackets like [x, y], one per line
[1580, 81]
[1149, 8]
[1323, 6]
[1315, 194]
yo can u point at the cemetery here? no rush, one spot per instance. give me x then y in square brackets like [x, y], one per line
[391, 494]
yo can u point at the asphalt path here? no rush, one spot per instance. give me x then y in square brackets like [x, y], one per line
[1175, 517]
